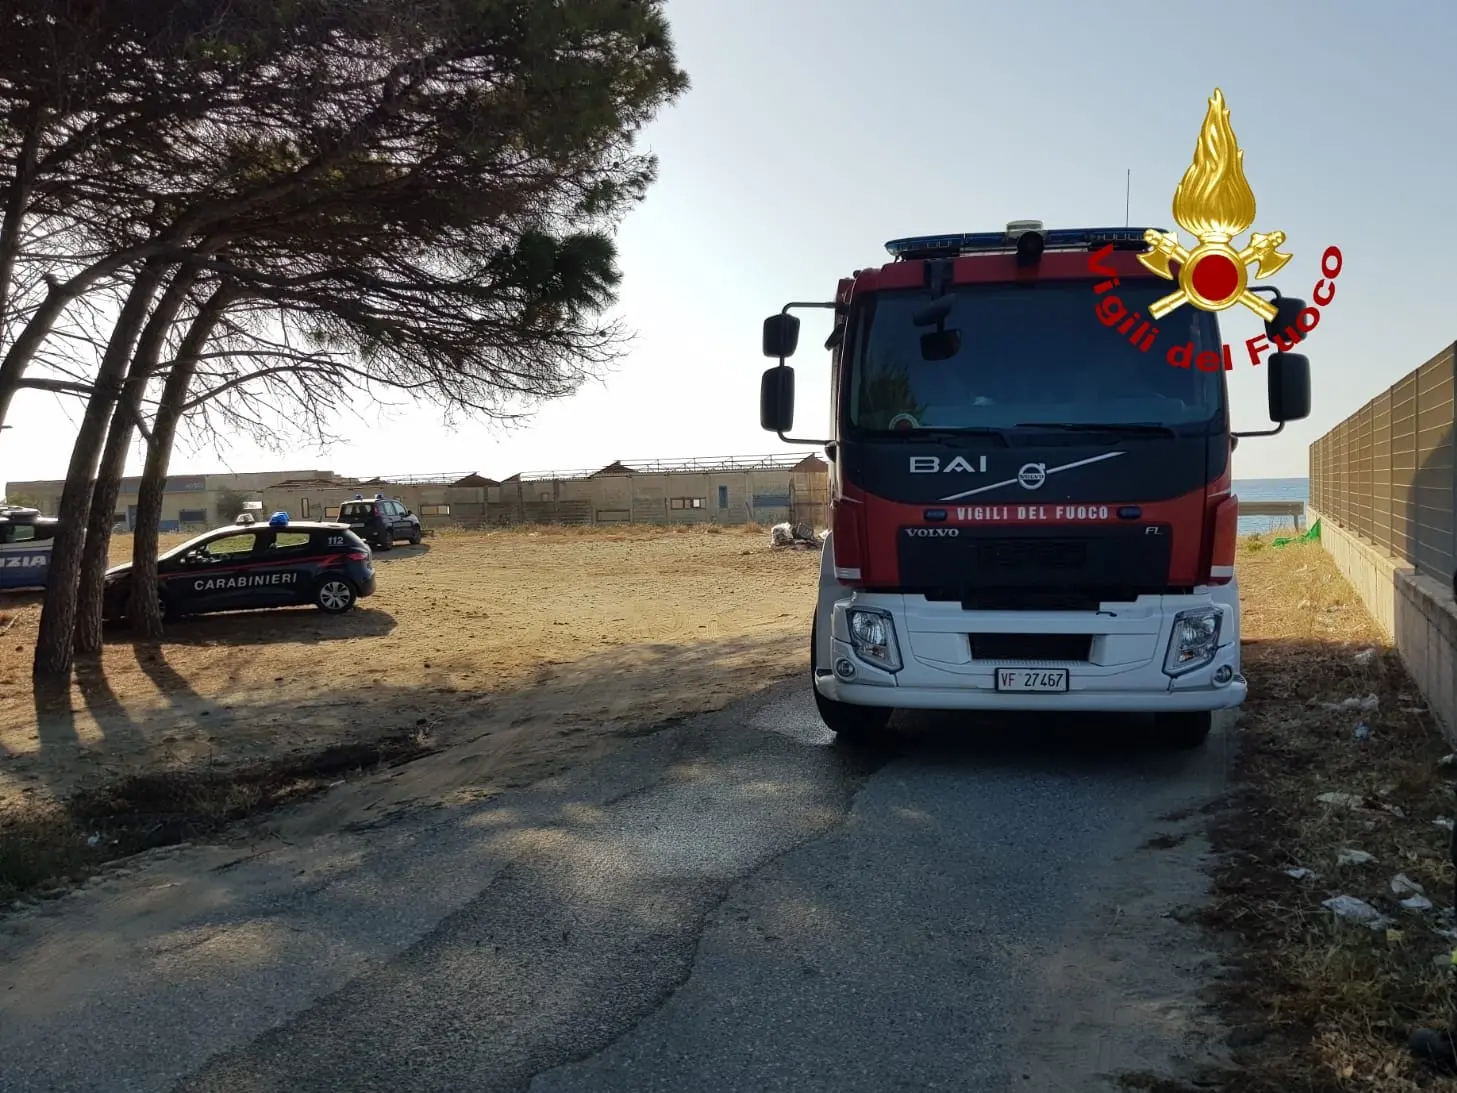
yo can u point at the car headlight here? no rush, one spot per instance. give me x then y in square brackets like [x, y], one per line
[872, 636]
[1194, 641]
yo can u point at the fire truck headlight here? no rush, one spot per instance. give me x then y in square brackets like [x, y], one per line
[872, 636]
[1194, 641]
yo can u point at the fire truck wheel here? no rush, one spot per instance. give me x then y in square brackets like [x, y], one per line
[864, 725]
[851, 724]
[1186, 729]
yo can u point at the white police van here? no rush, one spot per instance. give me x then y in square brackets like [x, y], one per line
[25, 547]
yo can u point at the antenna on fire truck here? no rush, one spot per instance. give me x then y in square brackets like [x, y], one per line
[1127, 190]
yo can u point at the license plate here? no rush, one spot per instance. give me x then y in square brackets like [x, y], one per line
[1032, 679]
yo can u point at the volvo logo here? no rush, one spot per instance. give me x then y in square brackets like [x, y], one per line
[933, 533]
[1032, 475]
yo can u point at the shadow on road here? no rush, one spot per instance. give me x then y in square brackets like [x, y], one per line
[1037, 740]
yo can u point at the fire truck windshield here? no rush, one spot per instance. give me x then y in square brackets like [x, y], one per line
[1034, 353]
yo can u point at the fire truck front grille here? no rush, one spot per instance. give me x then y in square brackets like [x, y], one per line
[1025, 553]
[1031, 646]
[989, 564]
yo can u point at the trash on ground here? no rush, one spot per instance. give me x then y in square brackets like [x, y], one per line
[1443, 822]
[1353, 857]
[1403, 885]
[1301, 873]
[1363, 731]
[1448, 760]
[1417, 903]
[1357, 911]
[1365, 657]
[799, 536]
[1366, 705]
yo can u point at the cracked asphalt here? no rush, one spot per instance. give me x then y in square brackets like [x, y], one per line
[731, 904]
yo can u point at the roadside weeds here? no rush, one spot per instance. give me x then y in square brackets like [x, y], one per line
[55, 844]
[1340, 792]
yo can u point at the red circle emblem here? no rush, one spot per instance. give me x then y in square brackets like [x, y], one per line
[1215, 277]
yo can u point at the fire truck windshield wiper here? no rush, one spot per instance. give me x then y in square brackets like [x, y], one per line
[947, 432]
[1147, 427]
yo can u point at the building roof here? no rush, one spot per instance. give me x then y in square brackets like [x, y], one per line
[474, 479]
[613, 468]
[311, 484]
[811, 462]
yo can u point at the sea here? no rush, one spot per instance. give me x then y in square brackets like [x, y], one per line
[1269, 489]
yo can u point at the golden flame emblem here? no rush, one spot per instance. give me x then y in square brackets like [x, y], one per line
[1214, 203]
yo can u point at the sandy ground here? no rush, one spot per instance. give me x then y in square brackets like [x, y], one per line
[533, 645]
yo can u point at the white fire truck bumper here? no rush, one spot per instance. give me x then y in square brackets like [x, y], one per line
[929, 662]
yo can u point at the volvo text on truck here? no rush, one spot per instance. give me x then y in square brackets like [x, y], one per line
[1031, 509]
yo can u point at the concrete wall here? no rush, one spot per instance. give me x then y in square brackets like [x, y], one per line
[724, 497]
[194, 493]
[1417, 612]
[436, 505]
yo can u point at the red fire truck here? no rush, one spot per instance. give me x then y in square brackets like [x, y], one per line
[1031, 505]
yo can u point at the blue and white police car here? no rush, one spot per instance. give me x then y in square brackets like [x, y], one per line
[25, 547]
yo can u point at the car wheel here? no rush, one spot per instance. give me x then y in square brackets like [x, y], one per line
[416, 538]
[334, 595]
[386, 541]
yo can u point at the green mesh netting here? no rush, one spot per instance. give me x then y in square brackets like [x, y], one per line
[1311, 536]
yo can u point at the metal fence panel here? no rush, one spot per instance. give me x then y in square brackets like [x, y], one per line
[1389, 471]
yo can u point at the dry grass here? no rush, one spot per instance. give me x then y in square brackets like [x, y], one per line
[1321, 1005]
[527, 647]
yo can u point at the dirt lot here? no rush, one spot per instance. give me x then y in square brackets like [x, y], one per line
[538, 645]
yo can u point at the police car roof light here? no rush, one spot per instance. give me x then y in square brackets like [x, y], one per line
[957, 245]
[278, 519]
[379, 497]
[359, 497]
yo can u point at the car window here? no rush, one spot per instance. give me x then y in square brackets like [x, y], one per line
[17, 533]
[290, 542]
[355, 510]
[230, 546]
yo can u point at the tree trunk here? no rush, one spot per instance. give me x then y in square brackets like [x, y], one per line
[58, 615]
[15, 209]
[145, 618]
[97, 546]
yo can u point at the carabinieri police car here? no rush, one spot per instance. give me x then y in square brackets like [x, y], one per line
[244, 566]
[25, 547]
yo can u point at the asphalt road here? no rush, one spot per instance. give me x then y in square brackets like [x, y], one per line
[733, 904]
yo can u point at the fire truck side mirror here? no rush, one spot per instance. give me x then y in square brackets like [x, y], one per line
[1287, 314]
[776, 399]
[781, 335]
[1289, 379]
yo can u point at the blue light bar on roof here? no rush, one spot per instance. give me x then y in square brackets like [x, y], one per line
[278, 519]
[951, 246]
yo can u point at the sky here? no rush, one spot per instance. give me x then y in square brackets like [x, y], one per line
[815, 130]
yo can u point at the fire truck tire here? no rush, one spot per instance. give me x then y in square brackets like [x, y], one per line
[1186, 729]
[850, 724]
[863, 725]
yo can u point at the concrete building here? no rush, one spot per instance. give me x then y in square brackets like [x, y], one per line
[190, 501]
[762, 489]
[457, 500]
